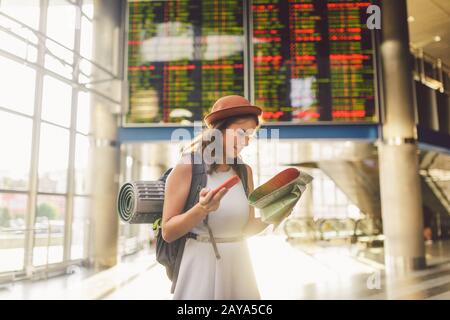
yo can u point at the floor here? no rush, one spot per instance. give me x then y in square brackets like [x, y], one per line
[292, 271]
[284, 270]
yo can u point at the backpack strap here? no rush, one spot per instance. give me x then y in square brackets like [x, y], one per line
[198, 181]
[243, 175]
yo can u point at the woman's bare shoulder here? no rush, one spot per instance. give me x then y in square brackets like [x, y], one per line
[182, 168]
[184, 158]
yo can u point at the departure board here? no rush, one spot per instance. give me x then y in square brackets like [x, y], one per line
[313, 60]
[182, 56]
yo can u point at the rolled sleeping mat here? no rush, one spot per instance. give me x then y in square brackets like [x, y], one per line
[141, 201]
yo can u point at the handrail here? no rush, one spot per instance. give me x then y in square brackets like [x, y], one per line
[441, 195]
[315, 226]
[437, 190]
[418, 53]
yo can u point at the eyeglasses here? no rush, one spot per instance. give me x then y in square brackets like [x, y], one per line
[250, 133]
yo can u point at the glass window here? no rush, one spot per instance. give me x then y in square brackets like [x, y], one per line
[86, 38]
[82, 78]
[316, 190]
[26, 11]
[88, 8]
[15, 143]
[446, 81]
[58, 66]
[416, 63]
[49, 233]
[61, 22]
[84, 112]
[80, 227]
[17, 28]
[81, 164]
[56, 101]
[430, 69]
[13, 208]
[17, 86]
[128, 239]
[18, 47]
[62, 63]
[53, 159]
[341, 199]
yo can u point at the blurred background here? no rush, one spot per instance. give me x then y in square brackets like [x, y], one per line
[92, 91]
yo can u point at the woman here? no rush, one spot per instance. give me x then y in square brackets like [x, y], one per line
[231, 218]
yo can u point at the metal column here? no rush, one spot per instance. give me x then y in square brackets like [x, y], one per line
[105, 152]
[401, 199]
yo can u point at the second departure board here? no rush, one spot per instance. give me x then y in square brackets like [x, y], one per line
[313, 60]
[182, 56]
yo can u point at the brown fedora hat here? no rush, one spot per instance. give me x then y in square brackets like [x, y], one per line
[230, 106]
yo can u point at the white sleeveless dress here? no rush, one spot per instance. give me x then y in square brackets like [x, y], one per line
[201, 275]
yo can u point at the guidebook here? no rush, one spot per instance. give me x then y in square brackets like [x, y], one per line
[277, 197]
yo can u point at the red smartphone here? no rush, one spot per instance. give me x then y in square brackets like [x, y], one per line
[227, 184]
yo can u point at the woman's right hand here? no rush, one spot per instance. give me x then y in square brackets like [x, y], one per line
[209, 202]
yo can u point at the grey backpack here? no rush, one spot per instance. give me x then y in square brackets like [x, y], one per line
[170, 254]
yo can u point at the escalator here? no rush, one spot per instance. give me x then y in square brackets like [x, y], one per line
[359, 180]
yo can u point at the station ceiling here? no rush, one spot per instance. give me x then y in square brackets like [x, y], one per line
[427, 20]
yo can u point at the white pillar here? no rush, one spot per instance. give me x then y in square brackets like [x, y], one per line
[104, 121]
[401, 199]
